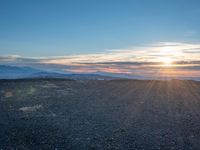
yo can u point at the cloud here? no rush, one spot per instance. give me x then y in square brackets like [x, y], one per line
[140, 60]
[147, 53]
[8, 58]
[192, 50]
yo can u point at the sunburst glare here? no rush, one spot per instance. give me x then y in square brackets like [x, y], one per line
[166, 61]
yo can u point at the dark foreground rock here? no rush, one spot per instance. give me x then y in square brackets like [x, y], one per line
[99, 115]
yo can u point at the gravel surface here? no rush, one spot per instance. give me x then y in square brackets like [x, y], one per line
[99, 115]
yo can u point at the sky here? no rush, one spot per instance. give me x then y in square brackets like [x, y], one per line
[131, 37]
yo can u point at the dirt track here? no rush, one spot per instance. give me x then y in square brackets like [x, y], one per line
[117, 115]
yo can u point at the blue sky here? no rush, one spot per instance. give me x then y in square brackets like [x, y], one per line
[65, 27]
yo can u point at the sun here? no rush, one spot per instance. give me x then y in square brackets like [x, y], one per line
[166, 54]
[166, 61]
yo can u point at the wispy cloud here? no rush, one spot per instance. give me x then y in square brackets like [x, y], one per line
[140, 60]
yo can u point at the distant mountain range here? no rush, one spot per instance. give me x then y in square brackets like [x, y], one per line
[16, 72]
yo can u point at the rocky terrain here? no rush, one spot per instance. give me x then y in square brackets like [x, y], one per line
[99, 115]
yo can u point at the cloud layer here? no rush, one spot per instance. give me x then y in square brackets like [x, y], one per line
[146, 60]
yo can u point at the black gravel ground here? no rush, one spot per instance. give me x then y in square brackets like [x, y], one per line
[99, 115]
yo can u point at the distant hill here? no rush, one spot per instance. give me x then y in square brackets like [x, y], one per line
[15, 72]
